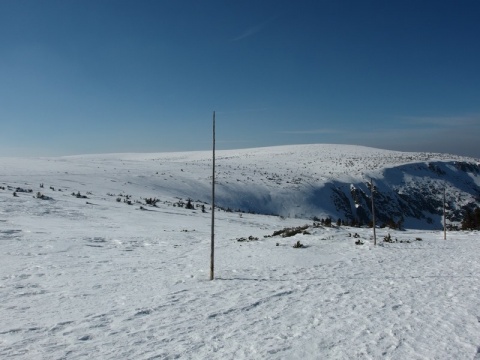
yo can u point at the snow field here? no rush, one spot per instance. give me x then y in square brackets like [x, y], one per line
[125, 283]
[96, 278]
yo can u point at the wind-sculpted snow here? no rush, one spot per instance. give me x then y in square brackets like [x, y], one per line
[94, 271]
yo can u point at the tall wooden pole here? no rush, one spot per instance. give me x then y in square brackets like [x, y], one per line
[373, 214]
[212, 244]
[444, 215]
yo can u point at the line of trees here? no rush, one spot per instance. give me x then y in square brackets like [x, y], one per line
[471, 221]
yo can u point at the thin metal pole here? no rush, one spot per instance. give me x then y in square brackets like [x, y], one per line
[444, 215]
[373, 214]
[212, 251]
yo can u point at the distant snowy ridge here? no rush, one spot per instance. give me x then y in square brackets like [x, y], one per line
[294, 181]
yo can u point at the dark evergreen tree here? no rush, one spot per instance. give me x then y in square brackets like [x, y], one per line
[190, 205]
[471, 220]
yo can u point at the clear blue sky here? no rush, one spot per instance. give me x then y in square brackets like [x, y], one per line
[101, 76]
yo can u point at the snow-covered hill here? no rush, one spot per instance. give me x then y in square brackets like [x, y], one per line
[301, 181]
[85, 275]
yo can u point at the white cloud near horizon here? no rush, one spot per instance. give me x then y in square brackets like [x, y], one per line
[456, 139]
[443, 121]
[310, 132]
[448, 134]
[241, 111]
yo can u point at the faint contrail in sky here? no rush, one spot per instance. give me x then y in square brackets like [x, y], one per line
[249, 32]
[252, 30]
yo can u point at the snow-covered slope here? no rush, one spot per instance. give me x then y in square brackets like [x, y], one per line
[293, 181]
[93, 277]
